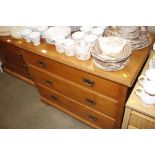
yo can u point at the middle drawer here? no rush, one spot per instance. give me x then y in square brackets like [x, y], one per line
[94, 100]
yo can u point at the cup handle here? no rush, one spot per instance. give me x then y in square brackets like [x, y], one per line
[141, 79]
[138, 91]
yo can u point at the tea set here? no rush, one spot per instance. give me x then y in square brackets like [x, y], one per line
[80, 42]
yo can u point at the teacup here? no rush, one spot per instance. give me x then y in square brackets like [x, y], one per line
[82, 50]
[147, 92]
[35, 37]
[69, 47]
[149, 76]
[60, 45]
[26, 34]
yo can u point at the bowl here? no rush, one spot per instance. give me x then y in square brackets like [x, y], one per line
[16, 31]
[78, 35]
[111, 49]
[57, 32]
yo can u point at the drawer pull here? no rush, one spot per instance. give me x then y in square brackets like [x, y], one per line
[20, 56]
[30, 77]
[90, 102]
[54, 98]
[88, 82]
[92, 118]
[42, 64]
[48, 83]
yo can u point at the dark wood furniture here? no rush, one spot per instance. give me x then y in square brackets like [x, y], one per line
[78, 88]
[14, 62]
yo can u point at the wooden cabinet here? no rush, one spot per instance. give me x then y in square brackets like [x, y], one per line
[137, 114]
[14, 62]
[78, 88]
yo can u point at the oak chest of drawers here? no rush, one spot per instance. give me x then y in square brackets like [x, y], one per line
[78, 88]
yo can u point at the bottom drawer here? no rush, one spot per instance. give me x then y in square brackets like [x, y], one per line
[19, 70]
[141, 121]
[74, 108]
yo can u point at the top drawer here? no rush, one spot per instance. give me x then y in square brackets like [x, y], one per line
[84, 79]
[12, 55]
[12, 49]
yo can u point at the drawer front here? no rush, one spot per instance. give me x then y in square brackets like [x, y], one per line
[80, 94]
[100, 121]
[141, 121]
[84, 79]
[14, 59]
[13, 49]
[13, 55]
[21, 71]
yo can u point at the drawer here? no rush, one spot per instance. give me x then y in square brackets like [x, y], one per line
[13, 58]
[84, 79]
[80, 94]
[83, 113]
[141, 121]
[13, 49]
[19, 70]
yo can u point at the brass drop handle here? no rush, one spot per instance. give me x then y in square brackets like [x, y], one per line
[54, 98]
[88, 82]
[49, 83]
[90, 102]
[92, 118]
[42, 64]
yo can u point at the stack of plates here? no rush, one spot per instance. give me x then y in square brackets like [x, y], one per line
[111, 53]
[138, 36]
[5, 30]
